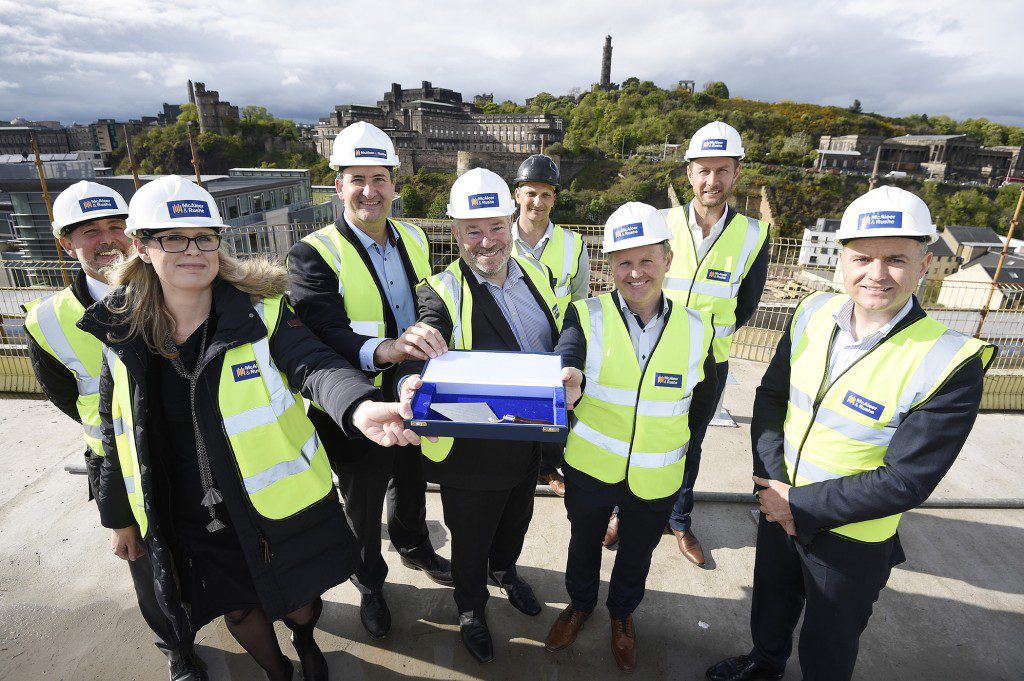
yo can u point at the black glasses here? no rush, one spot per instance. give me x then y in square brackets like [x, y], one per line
[176, 243]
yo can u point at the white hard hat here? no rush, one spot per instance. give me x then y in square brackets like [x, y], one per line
[362, 144]
[86, 201]
[634, 224]
[479, 193]
[715, 139]
[170, 202]
[887, 211]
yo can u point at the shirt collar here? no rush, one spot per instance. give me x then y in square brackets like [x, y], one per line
[717, 227]
[514, 274]
[844, 319]
[626, 311]
[548, 233]
[367, 241]
[97, 289]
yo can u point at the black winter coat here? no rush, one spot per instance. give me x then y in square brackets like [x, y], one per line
[291, 561]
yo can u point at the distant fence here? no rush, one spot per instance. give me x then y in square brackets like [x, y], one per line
[791, 276]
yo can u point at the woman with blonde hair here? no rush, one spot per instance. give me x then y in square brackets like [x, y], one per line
[211, 463]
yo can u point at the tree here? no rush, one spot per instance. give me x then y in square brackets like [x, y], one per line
[855, 107]
[256, 114]
[716, 89]
[412, 201]
[702, 99]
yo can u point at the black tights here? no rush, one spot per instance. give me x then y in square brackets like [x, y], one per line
[256, 634]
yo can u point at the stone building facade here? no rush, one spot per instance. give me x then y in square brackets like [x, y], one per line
[213, 113]
[956, 158]
[433, 118]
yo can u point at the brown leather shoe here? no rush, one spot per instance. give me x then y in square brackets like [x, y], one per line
[624, 644]
[689, 546]
[565, 629]
[611, 535]
[553, 480]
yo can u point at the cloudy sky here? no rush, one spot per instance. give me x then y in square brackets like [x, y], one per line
[79, 61]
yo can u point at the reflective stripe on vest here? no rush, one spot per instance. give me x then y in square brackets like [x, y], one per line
[634, 424]
[845, 427]
[713, 283]
[364, 304]
[52, 324]
[562, 256]
[283, 466]
[124, 437]
[449, 286]
[281, 463]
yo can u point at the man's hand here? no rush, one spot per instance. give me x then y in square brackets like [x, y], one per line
[410, 385]
[420, 341]
[382, 423]
[572, 379]
[774, 503]
[125, 543]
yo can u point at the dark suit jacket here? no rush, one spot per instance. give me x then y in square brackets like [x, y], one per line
[922, 450]
[478, 464]
[313, 292]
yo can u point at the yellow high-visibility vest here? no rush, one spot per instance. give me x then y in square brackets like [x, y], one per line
[632, 423]
[562, 256]
[52, 324]
[713, 283]
[844, 427]
[281, 463]
[364, 303]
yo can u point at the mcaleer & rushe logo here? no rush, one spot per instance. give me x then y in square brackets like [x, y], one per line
[188, 209]
[863, 405]
[97, 203]
[245, 371]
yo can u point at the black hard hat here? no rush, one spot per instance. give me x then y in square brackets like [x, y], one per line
[538, 168]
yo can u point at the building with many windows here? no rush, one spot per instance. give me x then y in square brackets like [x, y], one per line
[956, 158]
[435, 118]
[254, 200]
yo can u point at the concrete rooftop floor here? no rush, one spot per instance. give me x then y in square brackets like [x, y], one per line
[954, 610]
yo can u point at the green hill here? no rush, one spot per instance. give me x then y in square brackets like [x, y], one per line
[618, 134]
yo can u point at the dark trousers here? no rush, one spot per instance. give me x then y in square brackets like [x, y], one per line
[370, 476]
[552, 455]
[167, 641]
[488, 528]
[835, 583]
[588, 503]
[680, 518]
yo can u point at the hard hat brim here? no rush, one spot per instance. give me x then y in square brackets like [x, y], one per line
[903, 234]
[711, 154]
[480, 213]
[635, 243]
[61, 230]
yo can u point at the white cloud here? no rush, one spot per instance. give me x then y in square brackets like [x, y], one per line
[299, 59]
[8, 85]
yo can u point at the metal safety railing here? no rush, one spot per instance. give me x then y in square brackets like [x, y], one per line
[797, 268]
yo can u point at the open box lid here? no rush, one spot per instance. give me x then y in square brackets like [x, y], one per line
[484, 372]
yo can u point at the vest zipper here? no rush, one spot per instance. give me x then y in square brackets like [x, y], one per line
[639, 387]
[693, 279]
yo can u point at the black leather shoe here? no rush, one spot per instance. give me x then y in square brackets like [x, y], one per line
[374, 614]
[436, 568]
[740, 668]
[476, 636]
[185, 668]
[520, 595]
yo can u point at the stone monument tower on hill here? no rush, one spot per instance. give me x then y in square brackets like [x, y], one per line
[606, 64]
